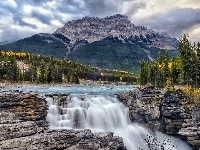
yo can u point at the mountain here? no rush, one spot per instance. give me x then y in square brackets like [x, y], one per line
[112, 42]
[5, 42]
[43, 43]
[92, 29]
[112, 53]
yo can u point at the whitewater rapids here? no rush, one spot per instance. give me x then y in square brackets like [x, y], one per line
[101, 113]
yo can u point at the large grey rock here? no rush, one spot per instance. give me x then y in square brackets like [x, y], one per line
[165, 112]
[66, 139]
[144, 106]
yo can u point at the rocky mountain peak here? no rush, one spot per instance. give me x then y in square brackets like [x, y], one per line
[92, 29]
[103, 21]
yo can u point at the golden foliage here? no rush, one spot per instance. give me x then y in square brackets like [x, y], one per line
[168, 81]
[16, 54]
[170, 65]
[192, 95]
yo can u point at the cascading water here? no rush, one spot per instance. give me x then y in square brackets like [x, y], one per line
[98, 112]
[105, 113]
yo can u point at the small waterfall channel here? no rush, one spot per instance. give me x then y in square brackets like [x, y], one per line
[99, 113]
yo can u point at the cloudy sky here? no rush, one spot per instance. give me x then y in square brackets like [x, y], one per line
[23, 18]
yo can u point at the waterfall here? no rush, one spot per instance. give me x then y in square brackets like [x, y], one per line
[101, 113]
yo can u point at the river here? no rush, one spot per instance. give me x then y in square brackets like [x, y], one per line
[97, 108]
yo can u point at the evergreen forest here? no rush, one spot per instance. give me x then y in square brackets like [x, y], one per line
[26, 67]
[181, 70]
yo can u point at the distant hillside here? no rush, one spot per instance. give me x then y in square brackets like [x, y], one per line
[44, 44]
[112, 53]
[5, 42]
[112, 43]
[19, 66]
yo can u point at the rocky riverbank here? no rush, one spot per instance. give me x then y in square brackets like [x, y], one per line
[165, 112]
[23, 126]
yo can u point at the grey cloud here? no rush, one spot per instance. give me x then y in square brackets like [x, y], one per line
[44, 18]
[18, 20]
[33, 2]
[2, 12]
[23, 23]
[6, 9]
[16, 14]
[182, 21]
[40, 1]
[72, 3]
[197, 15]
[134, 7]
[103, 7]
[176, 22]
[9, 34]
[71, 7]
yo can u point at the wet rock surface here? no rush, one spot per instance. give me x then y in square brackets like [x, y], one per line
[66, 139]
[143, 106]
[23, 126]
[165, 112]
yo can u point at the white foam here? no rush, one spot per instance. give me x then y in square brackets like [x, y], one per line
[105, 113]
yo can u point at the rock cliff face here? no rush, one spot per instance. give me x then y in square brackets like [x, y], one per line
[21, 115]
[143, 108]
[92, 29]
[164, 112]
[23, 126]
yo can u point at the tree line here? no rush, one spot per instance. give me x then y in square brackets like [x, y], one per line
[20, 66]
[184, 69]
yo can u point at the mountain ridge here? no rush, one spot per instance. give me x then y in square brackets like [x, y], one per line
[94, 29]
[95, 33]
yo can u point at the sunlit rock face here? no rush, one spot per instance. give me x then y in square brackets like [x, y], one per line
[164, 112]
[21, 115]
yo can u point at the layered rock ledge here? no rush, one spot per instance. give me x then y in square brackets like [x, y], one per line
[23, 126]
[165, 112]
